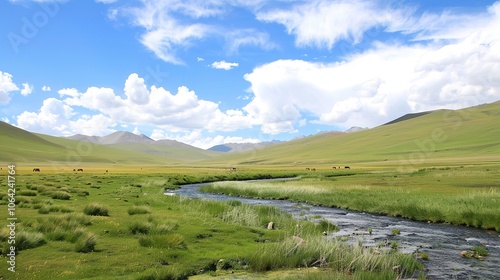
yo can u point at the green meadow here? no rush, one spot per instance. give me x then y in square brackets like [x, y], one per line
[113, 221]
[458, 195]
[121, 226]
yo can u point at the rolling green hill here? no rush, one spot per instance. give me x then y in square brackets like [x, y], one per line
[461, 136]
[179, 151]
[466, 135]
[20, 146]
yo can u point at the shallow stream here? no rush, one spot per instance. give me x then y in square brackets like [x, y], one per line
[442, 243]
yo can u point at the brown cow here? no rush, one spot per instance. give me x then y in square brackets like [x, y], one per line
[36, 169]
[347, 167]
[334, 167]
[79, 169]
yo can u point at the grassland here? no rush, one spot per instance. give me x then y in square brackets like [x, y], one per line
[460, 195]
[439, 167]
[442, 137]
[97, 225]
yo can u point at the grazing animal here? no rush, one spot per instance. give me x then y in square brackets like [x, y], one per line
[36, 169]
[106, 171]
[313, 169]
[334, 167]
[307, 168]
[80, 169]
[74, 170]
[233, 169]
[347, 167]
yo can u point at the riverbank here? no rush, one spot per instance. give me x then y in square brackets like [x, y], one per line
[468, 196]
[77, 225]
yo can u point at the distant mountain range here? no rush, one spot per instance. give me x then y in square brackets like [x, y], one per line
[240, 147]
[119, 138]
[461, 135]
[113, 138]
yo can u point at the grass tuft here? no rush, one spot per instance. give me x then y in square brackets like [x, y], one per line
[95, 209]
[60, 195]
[29, 240]
[86, 243]
[134, 210]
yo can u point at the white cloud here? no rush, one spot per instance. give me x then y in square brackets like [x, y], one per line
[200, 59]
[197, 139]
[323, 23]
[163, 33]
[52, 118]
[46, 88]
[27, 89]
[179, 111]
[55, 118]
[172, 27]
[382, 83]
[136, 131]
[248, 37]
[6, 87]
[136, 90]
[224, 65]
[73, 92]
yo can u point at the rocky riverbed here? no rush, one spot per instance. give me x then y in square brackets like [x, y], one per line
[441, 248]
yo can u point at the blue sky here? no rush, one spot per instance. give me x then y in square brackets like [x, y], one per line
[215, 71]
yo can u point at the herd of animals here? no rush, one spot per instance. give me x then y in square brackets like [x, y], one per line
[74, 170]
[232, 169]
[335, 167]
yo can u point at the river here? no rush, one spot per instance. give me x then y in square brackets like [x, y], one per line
[442, 243]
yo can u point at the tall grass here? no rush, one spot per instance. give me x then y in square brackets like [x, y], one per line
[317, 251]
[142, 209]
[169, 241]
[95, 209]
[451, 195]
[24, 240]
[86, 243]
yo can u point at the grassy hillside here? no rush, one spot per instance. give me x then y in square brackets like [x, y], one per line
[444, 135]
[75, 151]
[187, 153]
[20, 146]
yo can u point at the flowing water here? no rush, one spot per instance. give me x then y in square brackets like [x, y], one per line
[442, 243]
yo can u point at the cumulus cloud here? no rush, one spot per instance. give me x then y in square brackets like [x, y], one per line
[136, 90]
[56, 118]
[178, 111]
[382, 83]
[197, 139]
[69, 92]
[27, 89]
[6, 87]
[224, 65]
[46, 88]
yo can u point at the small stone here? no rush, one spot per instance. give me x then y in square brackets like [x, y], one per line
[270, 226]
